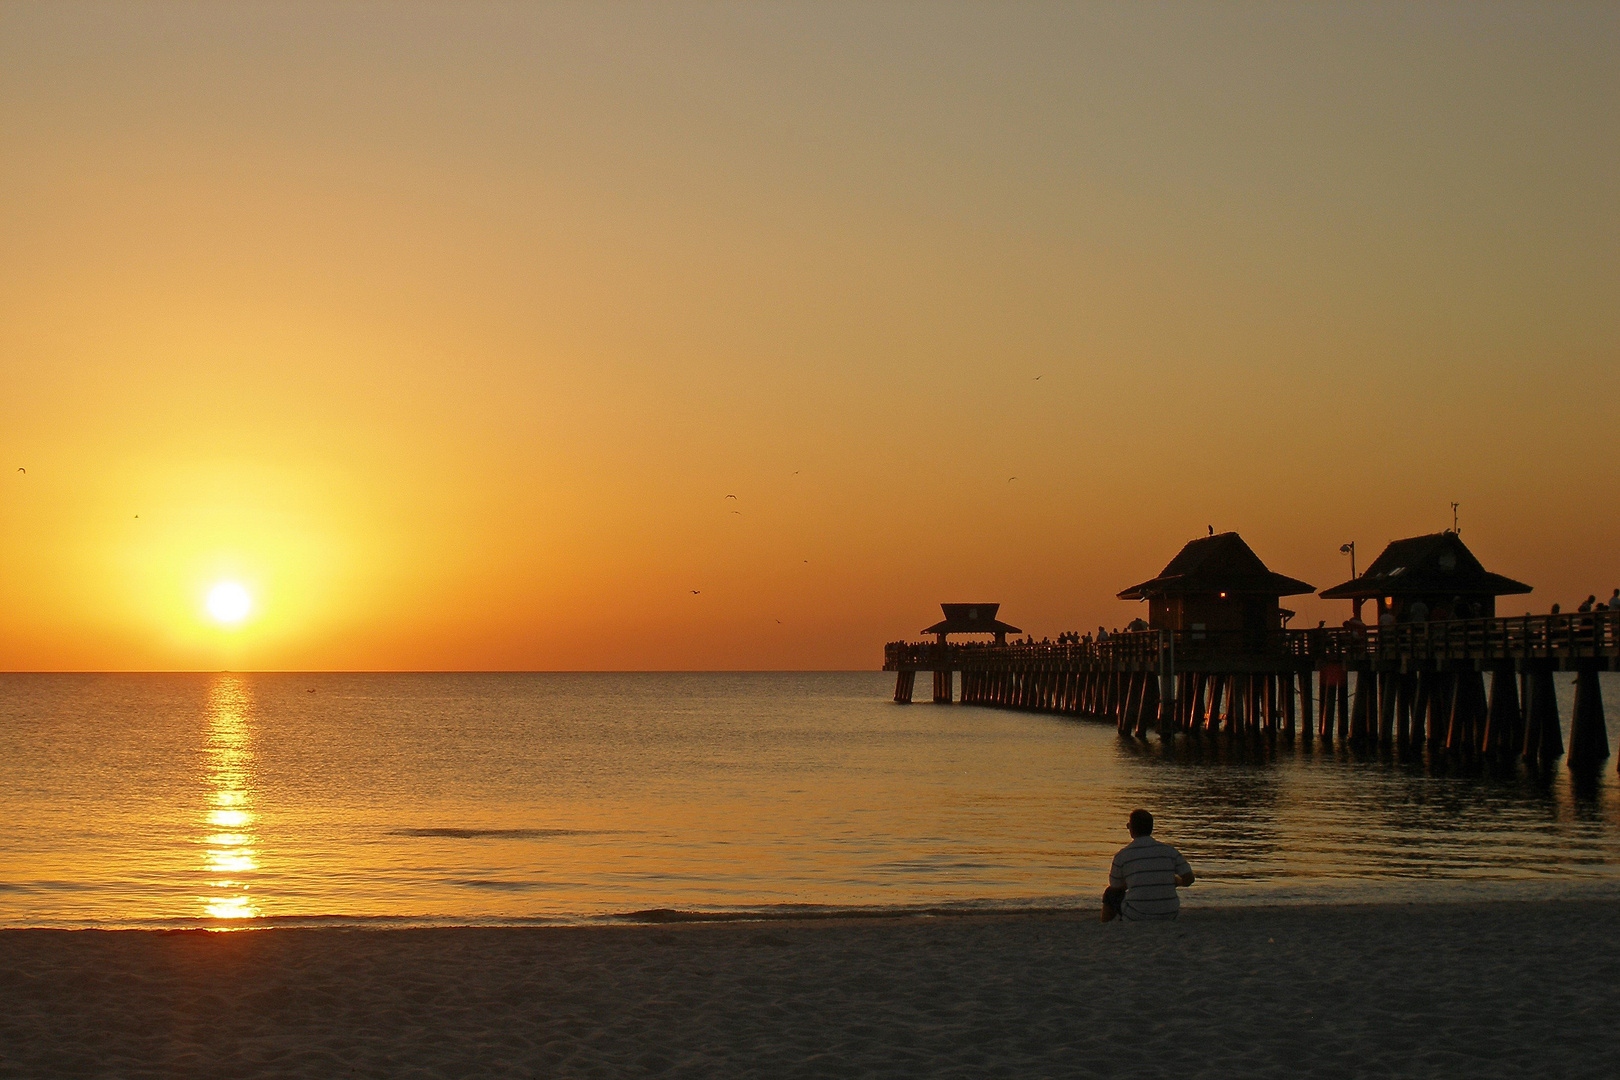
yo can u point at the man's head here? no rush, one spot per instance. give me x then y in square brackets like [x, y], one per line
[1141, 823]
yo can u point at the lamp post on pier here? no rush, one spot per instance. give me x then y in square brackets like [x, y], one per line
[1350, 550]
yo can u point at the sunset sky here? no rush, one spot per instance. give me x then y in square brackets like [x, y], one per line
[445, 331]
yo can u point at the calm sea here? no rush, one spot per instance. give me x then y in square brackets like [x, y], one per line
[141, 800]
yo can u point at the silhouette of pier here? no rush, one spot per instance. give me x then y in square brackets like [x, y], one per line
[1216, 657]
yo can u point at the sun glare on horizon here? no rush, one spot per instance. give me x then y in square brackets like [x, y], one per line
[229, 603]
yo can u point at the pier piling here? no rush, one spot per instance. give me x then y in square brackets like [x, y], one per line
[1588, 737]
[1544, 738]
[903, 682]
[1502, 719]
[1306, 712]
[1387, 682]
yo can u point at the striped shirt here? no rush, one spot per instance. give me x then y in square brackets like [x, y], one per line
[1147, 870]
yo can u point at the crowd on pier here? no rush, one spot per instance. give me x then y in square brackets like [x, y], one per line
[1417, 611]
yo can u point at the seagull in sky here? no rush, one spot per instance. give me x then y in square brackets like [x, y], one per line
[22, 470]
[736, 511]
[1010, 479]
[696, 591]
[731, 496]
[1039, 377]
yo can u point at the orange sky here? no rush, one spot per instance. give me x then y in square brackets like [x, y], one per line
[446, 329]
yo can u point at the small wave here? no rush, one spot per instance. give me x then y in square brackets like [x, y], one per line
[48, 886]
[497, 884]
[818, 912]
[502, 834]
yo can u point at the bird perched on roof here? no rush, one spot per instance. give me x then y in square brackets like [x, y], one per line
[1212, 530]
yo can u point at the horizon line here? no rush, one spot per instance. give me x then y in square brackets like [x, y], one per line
[443, 671]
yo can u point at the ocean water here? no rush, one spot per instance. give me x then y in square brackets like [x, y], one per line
[230, 799]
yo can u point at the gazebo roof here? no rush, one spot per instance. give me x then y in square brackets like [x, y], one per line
[1217, 564]
[1438, 564]
[971, 619]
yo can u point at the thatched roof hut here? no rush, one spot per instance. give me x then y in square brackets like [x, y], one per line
[1217, 583]
[1437, 570]
[971, 619]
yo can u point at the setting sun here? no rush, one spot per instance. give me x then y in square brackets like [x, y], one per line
[229, 603]
[480, 472]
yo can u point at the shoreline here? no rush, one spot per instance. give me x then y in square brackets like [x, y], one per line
[670, 918]
[1465, 894]
[1498, 988]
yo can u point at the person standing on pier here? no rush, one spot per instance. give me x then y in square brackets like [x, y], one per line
[1143, 880]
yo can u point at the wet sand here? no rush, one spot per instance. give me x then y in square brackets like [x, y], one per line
[1501, 989]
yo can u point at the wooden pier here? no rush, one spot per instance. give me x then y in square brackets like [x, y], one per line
[1415, 683]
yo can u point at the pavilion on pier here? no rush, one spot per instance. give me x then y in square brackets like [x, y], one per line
[1436, 571]
[972, 619]
[1217, 585]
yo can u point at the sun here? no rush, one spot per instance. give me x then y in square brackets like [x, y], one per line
[229, 603]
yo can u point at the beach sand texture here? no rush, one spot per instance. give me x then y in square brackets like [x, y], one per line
[1500, 989]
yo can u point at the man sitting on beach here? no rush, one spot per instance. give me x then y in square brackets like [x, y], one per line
[1142, 882]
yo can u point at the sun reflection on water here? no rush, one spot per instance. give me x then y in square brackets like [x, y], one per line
[229, 843]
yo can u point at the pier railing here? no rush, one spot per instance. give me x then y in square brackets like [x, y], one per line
[1574, 636]
[1562, 639]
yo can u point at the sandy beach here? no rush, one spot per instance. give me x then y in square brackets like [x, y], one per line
[1502, 989]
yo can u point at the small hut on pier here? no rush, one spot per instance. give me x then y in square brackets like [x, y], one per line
[1428, 577]
[972, 619]
[1218, 585]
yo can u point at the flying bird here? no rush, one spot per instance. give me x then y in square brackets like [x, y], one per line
[1039, 377]
[696, 591]
[22, 470]
[736, 511]
[731, 496]
[1010, 479]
